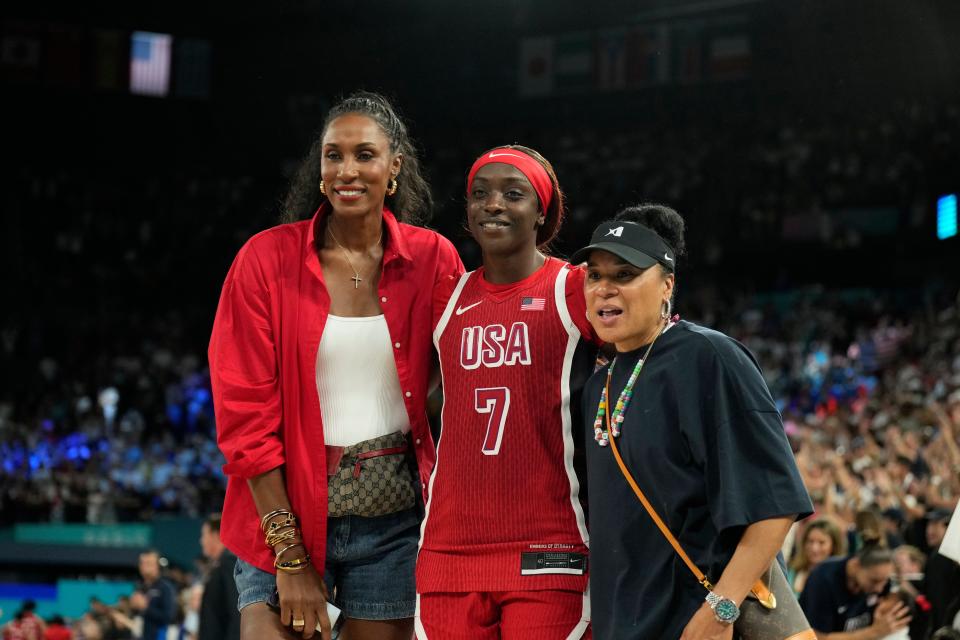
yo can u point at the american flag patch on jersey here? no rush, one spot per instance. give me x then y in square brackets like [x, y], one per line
[532, 304]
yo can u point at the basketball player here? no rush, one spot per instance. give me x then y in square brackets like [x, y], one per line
[503, 546]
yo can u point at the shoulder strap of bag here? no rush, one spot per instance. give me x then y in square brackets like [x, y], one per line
[701, 578]
[759, 590]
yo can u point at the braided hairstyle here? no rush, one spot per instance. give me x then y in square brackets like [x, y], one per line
[412, 203]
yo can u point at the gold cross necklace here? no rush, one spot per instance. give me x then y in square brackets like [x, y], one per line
[356, 274]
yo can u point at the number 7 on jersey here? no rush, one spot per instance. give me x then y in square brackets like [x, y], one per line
[496, 402]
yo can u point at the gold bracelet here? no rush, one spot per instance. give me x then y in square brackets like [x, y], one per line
[294, 566]
[289, 519]
[281, 535]
[271, 515]
[291, 566]
[288, 547]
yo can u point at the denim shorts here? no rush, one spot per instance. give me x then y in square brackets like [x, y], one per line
[369, 570]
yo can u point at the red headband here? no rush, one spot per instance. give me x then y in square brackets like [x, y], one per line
[530, 168]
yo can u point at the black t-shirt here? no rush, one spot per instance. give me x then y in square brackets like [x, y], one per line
[942, 588]
[829, 605]
[703, 439]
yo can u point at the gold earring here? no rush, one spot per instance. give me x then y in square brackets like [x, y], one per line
[393, 187]
[323, 189]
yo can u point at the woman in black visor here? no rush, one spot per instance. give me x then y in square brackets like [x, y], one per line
[696, 427]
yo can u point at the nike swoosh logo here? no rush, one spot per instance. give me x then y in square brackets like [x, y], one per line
[506, 155]
[463, 310]
[668, 257]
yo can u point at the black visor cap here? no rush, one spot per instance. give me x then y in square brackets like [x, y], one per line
[635, 243]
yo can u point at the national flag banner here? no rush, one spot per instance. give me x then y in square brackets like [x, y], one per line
[648, 59]
[66, 56]
[536, 67]
[610, 59]
[150, 63]
[191, 68]
[532, 304]
[573, 62]
[730, 56]
[109, 59]
[20, 52]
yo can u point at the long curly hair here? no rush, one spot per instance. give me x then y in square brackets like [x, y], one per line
[412, 203]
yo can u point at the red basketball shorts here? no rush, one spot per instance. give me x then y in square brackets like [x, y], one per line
[506, 615]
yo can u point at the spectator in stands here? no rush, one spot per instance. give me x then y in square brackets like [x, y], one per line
[161, 600]
[13, 630]
[893, 523]
[102, 614]
[908, 574]
[908, 562]
[821, 539]
[30, 625]
[868, 531]
[127, 621]
[219, 616]
[841, 597]
[57, 630]
[88, 628]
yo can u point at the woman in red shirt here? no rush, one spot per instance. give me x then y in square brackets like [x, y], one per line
[319, 359]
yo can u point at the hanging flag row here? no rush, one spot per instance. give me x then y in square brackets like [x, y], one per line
[72, 57]
[632, 58]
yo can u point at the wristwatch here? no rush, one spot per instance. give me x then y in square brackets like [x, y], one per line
[724, 609]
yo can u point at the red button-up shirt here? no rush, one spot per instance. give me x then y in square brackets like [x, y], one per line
[263, 355]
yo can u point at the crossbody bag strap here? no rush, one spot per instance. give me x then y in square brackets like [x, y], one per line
[701, 578]
[760, 590]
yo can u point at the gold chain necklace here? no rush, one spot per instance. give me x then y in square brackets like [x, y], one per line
[356, 274]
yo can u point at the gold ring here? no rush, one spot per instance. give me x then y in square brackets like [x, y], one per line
[298, 623]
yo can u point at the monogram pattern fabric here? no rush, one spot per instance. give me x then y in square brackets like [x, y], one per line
[785, 622]
[384, 484]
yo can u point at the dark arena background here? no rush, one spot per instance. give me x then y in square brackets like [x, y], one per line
[813, 147]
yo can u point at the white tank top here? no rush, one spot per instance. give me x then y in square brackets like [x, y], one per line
[357, 381]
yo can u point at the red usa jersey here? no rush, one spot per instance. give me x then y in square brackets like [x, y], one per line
[504, 510]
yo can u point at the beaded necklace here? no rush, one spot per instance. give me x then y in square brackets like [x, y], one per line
[599, 433]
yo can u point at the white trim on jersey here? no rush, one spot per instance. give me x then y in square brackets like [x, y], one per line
[451, 304]
[573, 338]
[418, 631]
[581, 627]
[437, 333]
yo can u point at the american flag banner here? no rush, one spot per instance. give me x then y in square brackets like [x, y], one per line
[532, 304]
[150, 63]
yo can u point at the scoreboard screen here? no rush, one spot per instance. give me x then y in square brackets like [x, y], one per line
[947, 216]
